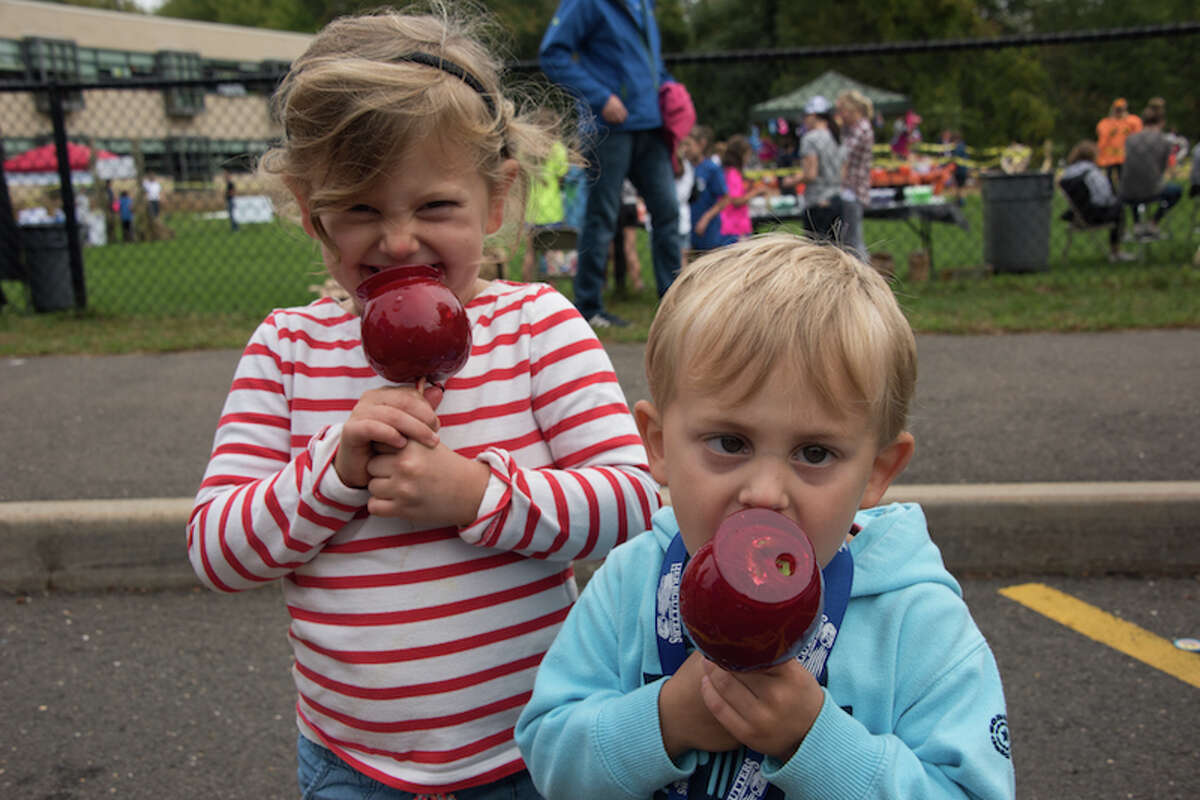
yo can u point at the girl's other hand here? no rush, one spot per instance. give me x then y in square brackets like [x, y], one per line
[431, 486]
[389, 417]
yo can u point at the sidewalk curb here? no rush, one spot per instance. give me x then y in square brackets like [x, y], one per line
[1143, 528]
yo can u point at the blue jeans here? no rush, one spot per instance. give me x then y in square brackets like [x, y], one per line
[324, 776]
[853, 237]
[642, 157]
[1170, 194]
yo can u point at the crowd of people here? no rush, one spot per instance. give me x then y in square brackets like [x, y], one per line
[1124, 173]
[831, 152]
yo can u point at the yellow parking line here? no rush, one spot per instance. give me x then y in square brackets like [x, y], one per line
[1118, 634]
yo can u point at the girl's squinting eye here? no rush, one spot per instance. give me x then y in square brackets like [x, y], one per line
[815, 455]
[725, 444]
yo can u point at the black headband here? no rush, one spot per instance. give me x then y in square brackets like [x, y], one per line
[437, 62]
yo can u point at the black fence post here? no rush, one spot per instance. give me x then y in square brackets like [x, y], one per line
[67, 192]
[10, 237]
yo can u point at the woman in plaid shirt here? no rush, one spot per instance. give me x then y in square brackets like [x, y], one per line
[855, 112]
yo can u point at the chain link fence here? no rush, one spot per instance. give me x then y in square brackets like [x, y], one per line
[162, 213]
[159, 212]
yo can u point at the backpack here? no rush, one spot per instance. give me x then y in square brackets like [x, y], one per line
[678, 115]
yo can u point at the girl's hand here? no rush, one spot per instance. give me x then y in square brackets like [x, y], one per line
[390, 417]
[425, 485]
[685, 721]
[770, 710]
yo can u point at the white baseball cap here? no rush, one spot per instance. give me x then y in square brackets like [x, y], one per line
[817, 104]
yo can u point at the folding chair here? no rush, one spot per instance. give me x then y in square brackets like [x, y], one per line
[1077, 223]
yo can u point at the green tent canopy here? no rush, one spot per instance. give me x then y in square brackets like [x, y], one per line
[830, 85]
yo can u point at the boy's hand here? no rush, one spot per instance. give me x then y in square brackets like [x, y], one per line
[390, 417]
[685, 721]
[770, 710]
[432, 486]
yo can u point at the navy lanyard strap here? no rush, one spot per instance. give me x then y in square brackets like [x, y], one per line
[672, 651]
[839, 577]
[737, 775]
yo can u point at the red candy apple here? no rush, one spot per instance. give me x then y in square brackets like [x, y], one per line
[751, 597]
[413, 325]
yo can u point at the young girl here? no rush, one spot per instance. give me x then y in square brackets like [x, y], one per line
[735, 215]
[423, 538]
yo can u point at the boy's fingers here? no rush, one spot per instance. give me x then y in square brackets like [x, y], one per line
[722, 710]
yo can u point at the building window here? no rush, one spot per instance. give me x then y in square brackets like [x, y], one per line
[189, 158]
[14, 145]
[49, 60]
[182, 101]
[237, 155]
[113, 64]
[154, 156]
[12, 65]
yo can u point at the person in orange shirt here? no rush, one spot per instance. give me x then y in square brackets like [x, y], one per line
[1111, 133]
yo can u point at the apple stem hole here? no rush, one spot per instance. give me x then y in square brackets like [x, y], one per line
[786, 564]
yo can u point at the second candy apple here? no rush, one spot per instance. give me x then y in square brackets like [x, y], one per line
[752, 596]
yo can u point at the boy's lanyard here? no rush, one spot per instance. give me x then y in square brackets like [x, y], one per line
[720, 776]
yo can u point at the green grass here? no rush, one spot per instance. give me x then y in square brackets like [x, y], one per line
[208, 288]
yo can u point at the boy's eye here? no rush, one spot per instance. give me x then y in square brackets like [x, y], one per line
[725, 444]
[814, 455]
[361, 208]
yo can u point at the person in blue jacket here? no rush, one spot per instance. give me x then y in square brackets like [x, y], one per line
[607, 53]
[781, 373]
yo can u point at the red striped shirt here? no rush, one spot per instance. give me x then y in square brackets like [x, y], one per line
[415, 648]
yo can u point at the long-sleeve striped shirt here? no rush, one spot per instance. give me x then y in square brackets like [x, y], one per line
[415, 649]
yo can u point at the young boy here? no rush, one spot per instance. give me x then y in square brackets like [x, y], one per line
[781, 373]
[709, 191]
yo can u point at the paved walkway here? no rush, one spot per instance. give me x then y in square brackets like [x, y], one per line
[1066, 452]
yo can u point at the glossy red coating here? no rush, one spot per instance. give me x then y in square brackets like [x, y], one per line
[413, 325]
[751, 597]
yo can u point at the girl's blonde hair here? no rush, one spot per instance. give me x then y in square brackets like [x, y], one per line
[739, 314]
[369, 87]
[859, 101]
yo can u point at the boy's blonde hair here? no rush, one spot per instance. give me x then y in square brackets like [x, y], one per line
[357, 99]
[778, 301]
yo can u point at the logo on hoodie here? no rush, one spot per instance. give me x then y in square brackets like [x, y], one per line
[668, 623]
[999, 728]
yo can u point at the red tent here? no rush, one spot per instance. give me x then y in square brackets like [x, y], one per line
[43, 159]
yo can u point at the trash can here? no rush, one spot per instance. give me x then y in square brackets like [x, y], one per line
[48, 266]
[1016, 221]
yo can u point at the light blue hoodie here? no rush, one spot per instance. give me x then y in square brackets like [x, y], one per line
[598, 48]
[914, 707]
